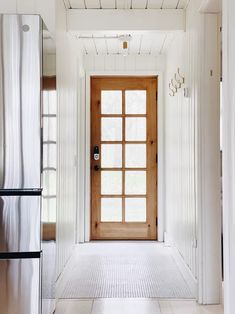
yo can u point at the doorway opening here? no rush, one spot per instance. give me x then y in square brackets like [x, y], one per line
[123, 158]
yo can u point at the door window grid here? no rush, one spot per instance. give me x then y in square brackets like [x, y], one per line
[49, 156]
[127, 213]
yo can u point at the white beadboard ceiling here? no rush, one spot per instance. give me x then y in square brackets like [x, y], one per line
[140, 44]
[127, 4]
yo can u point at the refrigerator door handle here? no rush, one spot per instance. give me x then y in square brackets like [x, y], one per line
[20, 255]
[20, 192]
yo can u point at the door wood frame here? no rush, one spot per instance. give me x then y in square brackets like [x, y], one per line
[142, 230]
[84, 223]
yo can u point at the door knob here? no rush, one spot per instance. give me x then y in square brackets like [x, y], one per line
[97, 167]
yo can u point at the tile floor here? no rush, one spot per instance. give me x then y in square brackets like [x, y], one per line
[133, 306]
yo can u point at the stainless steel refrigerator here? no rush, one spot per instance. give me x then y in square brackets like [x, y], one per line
[20, 164]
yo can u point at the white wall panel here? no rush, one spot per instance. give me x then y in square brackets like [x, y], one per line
[66, 72]
[192, 152]
[119, 63]
[170, 4]
[49, 64]
[229, 153]
[180, 159]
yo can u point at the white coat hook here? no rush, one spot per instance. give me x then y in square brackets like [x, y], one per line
[174, 87]
[180, 76]
[178, 82]
[172, 93]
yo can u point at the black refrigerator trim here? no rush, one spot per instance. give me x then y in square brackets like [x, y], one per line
[20, 192]
[19, 255]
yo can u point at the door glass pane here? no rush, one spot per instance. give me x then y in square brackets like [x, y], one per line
[111, 102]
[49, 182]
[49, 156]
[135, 209]
[49, 209]
[135, 182]
[111, 155]
[111, 182]
[135, 129]
[135, 101]
[49, 129]
[49, 102]
[111, 209]
[111, 129]
[135, 156]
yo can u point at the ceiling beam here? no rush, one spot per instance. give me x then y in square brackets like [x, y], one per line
[82, 21]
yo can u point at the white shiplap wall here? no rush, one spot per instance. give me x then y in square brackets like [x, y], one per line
[193, 214]
[180, 158]
[66, 74]
[229, 153]
[49, 64]
[121, 63]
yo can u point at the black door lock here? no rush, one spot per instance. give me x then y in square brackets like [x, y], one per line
[97, 167]
[96, 153]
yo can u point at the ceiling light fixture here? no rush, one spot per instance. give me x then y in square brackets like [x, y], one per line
[125, 39]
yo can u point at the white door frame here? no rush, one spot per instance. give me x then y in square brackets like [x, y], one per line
[84, 193]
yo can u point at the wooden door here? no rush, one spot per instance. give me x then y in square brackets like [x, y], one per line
[123, 158]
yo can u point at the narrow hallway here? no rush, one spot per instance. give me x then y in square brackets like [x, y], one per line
[123, 270]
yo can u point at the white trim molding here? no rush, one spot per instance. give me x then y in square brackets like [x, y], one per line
[229, 154]
[183, 267]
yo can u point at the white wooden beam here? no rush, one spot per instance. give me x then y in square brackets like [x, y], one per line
[81, 21]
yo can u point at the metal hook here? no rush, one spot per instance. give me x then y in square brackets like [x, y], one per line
[172, 93]
[178, 82]
[174, 87]
[182, 79]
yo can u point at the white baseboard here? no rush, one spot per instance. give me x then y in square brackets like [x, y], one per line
[184, 269]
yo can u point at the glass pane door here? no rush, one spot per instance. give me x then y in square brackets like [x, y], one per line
[123, 137]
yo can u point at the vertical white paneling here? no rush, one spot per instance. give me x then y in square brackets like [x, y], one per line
[123, 4]
[135, 44]
[89, 46]
[139, 4]
[110, 63]
[169, 4]
[112, 45]
[192, 152]
[228, 154]
[108, 4]
[92, 4]
[49, 64]
[77, 4]
[146, 44]
[157, 43]
[182, 4]
[67, 80]
[99, 62]
[166, 42]
[100, 46]
[130, 63]
[89, 62]
[155, 4]
[119, 63]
